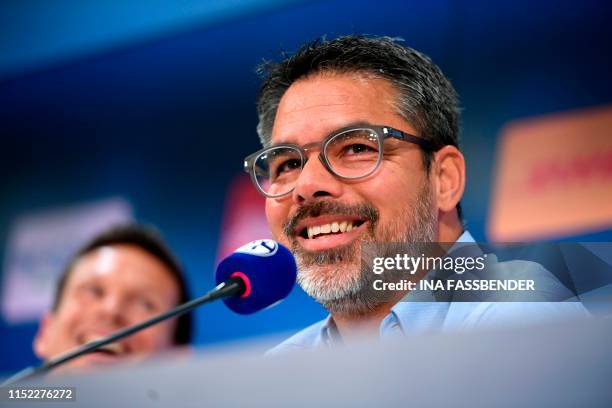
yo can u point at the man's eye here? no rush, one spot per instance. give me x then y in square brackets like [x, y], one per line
[287, 165]
[146, 304]
[94, 291]
[358, 149]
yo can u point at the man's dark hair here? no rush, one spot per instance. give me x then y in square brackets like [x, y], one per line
[426, 97]
[149, 240]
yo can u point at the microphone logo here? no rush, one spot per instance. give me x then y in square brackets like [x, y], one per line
[261, 247]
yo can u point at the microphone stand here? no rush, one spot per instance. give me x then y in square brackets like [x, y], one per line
[231, 287]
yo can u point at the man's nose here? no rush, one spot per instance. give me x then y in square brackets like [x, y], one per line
[112, 310]
[316, 181]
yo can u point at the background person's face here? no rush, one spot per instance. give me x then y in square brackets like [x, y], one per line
[110, 288]
[392, 205]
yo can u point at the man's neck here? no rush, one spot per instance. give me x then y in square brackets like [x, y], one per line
[450, 227]
[354, 327]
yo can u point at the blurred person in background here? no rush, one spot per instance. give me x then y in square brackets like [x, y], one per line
[360, 143]
[125, 275]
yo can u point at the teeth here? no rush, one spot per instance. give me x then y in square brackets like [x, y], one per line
[344, 226]
[115, 348]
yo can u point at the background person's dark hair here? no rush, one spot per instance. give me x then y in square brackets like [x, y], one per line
[426, 98]
[151, 241]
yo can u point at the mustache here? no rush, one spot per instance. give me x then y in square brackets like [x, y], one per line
[364, 211]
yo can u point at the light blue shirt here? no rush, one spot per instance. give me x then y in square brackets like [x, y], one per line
[408, 317]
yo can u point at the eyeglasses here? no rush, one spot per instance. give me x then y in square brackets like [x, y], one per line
[350, 153]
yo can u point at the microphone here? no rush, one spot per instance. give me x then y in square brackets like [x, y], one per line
[257, 275]
[268, 270]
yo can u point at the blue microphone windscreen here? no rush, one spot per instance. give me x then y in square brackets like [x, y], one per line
[270, 268]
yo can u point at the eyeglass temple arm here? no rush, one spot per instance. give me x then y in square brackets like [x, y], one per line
[398, 134]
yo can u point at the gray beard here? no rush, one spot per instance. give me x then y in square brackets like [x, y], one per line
[338, 279]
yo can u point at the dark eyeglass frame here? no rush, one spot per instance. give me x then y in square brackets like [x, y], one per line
[383, 133]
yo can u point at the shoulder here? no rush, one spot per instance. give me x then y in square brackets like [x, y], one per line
[547, 286]
[551, 301]
[306, 339]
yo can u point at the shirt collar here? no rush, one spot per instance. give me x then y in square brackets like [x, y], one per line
[465, 238]
[329, 334]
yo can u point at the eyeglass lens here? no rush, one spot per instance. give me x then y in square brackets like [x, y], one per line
[351, 154]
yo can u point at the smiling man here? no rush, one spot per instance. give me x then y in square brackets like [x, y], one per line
[123, 276]
[361, 145]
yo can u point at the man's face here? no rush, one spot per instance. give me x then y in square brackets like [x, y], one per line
[110, 288]
[394, 204]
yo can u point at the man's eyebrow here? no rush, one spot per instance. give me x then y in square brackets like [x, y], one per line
[354, 124]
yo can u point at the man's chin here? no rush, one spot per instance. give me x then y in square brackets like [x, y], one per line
[338, 287]
[341, 287]
[350, 304]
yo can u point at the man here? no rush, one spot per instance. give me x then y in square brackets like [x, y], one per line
[384, 123]
[123, 276]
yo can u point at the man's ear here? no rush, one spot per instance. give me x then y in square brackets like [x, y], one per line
[41, 340]
[449, 171]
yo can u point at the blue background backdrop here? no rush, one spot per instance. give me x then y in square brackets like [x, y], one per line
[154, 101]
